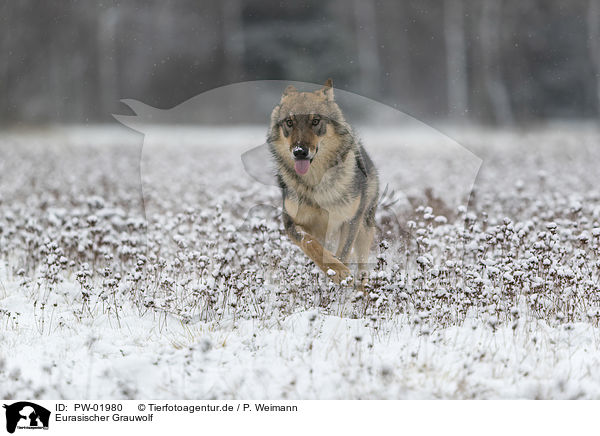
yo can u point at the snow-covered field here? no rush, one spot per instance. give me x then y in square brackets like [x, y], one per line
[150, 273]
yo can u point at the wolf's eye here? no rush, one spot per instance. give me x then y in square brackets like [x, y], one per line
[315, 121]
[289, 122]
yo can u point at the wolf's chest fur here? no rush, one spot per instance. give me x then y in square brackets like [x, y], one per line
[325, 200]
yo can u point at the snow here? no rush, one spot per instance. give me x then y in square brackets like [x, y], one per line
[306, 355]
[291, 334]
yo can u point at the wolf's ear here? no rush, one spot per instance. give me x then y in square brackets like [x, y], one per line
[291, 89]
[327, 89]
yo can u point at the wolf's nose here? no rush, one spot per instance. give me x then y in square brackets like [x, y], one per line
[300, 152]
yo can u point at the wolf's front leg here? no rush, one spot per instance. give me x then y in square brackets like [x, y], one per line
[322, 257]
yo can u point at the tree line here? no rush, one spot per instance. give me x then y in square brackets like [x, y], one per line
[488, 61]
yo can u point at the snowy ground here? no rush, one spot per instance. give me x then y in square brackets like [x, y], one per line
[173, 291]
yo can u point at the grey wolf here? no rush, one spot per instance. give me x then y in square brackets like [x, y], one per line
[329, 184]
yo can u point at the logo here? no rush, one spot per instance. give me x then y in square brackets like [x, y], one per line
[26, 415]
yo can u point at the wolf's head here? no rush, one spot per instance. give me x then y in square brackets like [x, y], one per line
[305, 123]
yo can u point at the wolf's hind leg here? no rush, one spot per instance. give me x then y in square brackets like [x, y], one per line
[344, 229]
[362, 247]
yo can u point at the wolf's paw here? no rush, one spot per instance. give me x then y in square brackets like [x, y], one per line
[338, 272]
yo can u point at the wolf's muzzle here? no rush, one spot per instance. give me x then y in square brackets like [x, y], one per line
[300, 152]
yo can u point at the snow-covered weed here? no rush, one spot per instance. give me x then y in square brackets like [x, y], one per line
[80, 243]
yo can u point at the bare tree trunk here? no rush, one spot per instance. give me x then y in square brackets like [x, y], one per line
[367, 46]
[57, 91]
[492, 77]
[456, 59]
[593, 27]
[107, 60]
[233, 38]
[5, 50]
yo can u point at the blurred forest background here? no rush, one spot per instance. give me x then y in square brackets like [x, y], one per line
[485, 61]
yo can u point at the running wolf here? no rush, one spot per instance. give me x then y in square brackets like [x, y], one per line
[329, 184]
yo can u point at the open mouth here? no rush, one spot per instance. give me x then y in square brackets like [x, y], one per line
[302, 164]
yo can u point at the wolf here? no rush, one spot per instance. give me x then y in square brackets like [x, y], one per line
[329, 184]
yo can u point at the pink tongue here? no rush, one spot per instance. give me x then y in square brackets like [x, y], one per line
[301, 166]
